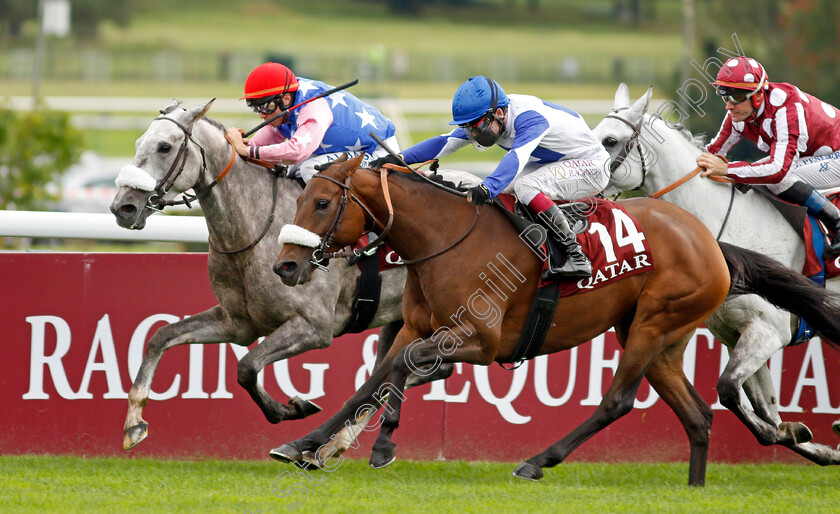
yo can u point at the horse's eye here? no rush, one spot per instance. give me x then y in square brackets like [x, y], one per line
[322, 204]
[164, 147]
[609, 141]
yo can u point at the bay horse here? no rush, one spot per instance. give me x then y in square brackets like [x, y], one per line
[244, 205]
[447, 244]
[751, 327]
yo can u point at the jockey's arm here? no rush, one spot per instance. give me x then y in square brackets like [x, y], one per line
[312, 123]
[726, 138]
[530, 129]
[436, 147]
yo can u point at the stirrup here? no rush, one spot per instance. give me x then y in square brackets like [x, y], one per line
[832, 249]
[568, 270]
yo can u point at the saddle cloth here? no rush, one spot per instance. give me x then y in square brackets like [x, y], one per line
[609, 236]
[388, 258]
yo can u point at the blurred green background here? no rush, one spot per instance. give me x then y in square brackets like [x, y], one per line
[406, 49]
[122, 61]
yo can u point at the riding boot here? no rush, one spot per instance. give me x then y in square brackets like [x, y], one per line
[817, 205]
[829, 215]
[577, 265]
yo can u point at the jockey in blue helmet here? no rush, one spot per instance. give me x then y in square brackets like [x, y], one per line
[551, 155]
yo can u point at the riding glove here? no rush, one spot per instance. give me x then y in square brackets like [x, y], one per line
[388, 159]
[478, 195]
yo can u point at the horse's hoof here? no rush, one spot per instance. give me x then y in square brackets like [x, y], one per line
[836, 427]
[797, 431]
[305, 407]
[286, 453]
[311, 458]
[381, 458]
[134, 435]
[528, 471]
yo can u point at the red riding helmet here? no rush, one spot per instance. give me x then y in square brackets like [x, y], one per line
[741, 74]
[270, 79]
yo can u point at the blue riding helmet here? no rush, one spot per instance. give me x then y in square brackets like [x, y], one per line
[475, 98]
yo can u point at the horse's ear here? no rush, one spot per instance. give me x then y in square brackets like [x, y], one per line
[341, 158]
[641, 106]
[622, 97]
[353, 164]
[171, 107]
[199, 111]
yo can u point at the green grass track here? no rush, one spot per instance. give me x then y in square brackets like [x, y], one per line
[71, 484]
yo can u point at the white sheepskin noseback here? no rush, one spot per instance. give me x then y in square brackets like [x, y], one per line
[135, 178]
[296, 235]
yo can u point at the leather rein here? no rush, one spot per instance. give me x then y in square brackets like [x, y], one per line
[321, 254]
[637, 130]
[156, 201]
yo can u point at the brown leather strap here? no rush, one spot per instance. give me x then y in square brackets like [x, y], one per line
[688, 176]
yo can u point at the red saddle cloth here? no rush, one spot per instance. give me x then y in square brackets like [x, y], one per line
[613, 241]
[388, 258]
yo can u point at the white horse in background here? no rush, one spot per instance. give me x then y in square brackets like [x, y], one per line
[649, 153]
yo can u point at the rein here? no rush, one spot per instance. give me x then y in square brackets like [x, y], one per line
[321, 254]
[637, 130]
[156, 202]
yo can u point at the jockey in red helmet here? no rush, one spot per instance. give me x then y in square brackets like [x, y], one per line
[315, 133]
[799, 132]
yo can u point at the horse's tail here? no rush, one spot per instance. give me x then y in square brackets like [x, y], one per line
[754, 273]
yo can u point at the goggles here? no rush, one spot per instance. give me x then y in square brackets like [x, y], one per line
[261, 106]
[481, 131]
[739, 96]
[734, 96]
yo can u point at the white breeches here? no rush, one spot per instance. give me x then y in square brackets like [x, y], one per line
[571, 179]
[822, 172]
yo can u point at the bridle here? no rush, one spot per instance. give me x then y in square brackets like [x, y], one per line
[637, 129]
[320, 254]
[156, 201]
[629, 145]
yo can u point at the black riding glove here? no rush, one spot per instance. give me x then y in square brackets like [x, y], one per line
[478, 195]
[388, 159]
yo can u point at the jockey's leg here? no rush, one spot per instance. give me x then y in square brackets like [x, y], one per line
[577, 265]
[569, 180]
[805, 195]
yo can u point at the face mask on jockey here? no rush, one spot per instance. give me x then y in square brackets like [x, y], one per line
[480, 132]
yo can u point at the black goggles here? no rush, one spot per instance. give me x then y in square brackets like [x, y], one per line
[263, 106]
[733, 96]
[480, 131]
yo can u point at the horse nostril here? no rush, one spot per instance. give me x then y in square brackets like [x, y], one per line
[285, 269]
[127, 210]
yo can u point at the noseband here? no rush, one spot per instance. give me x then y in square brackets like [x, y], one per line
[156, 201]
[321, 254]
[628, 146]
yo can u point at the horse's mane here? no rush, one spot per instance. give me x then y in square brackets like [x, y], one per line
[434, 177]
[698, 140]
[215, 123]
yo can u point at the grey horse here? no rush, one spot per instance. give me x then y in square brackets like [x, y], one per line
[752, 328]
[244, 210]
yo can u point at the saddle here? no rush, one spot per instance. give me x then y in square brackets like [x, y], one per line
[523, 219]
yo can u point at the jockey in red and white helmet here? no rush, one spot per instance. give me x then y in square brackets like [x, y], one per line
[799, 132]
[317, 132]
